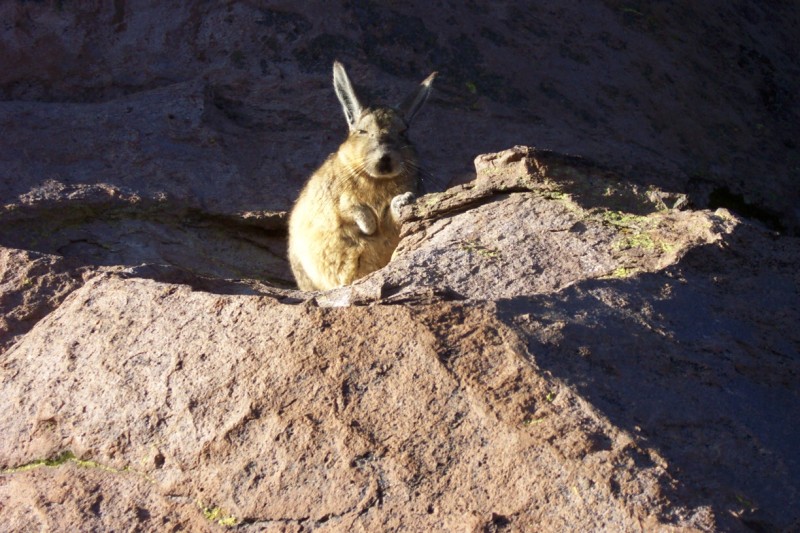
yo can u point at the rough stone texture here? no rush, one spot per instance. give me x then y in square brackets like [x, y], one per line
[31, 285]
[440, 418]
[695, 360]
[564, 343]
[635, 388]
[700, 97]
[75, 498]
[537, 222]
[155, 186]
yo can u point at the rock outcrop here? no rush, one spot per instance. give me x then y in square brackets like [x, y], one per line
[699, 98]
[541, 351]
[561, 343]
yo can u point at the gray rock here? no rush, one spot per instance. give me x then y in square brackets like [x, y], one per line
[699, 98]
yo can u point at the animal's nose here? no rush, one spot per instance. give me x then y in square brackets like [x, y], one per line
[385, 163]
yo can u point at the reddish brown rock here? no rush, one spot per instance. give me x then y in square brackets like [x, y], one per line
[535, 222]
[381, 416]
[646, 394]
[89, 498]
[564, 343]
[31, 285]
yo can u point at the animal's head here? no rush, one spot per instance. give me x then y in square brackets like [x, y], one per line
[378, 143]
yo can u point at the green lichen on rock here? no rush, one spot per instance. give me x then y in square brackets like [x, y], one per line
[475, 247]
[622, 220]
[637, 240]
[218, 515]
[621, 272]
[635, 231]
[58, 460]
[67, 457]
[62, 459]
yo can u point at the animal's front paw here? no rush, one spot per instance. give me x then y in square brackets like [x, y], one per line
[399, 201]
[365, 220]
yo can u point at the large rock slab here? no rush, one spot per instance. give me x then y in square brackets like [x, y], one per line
[377, 417]
[535, 222]
[551, 347]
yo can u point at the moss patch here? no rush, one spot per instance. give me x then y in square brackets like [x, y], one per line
[475, 247]
[218, 515]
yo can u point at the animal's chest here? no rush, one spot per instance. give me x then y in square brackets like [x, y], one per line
[377, 197]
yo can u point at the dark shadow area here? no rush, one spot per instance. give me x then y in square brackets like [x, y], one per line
[688, 360]
[232, 287]
[722, 197]
[192, 243]
[662, 92]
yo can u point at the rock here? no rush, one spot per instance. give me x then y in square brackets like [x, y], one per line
[644, 393]
[152, 149]
[697, 98]
[225, 400]
[538, 222]
[596, 342]
[31, 285]
[155, 187]
[83, 497]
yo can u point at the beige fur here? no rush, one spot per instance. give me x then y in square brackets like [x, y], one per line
[344, 223]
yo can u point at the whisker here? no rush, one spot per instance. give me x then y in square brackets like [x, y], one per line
[424, 175]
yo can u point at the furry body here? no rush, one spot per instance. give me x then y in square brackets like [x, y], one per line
[344, 223]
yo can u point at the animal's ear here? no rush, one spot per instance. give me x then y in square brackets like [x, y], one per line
[415, 100]
[347, 96]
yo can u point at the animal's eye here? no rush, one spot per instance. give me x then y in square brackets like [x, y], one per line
[361, 132]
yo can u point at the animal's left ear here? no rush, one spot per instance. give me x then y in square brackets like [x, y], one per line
[346, 94]
[415, 100]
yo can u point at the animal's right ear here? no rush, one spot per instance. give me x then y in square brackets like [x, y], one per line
[347, 96]
[415, 100]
